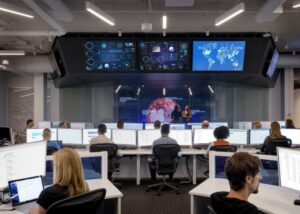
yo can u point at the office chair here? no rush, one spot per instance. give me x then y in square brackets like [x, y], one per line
[89, 202]
[224, 148]
[271, 146]
[211, 210]
[112, 150]
[166, 156]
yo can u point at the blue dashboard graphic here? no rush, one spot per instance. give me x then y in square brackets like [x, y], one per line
[218, 55]
[110, 56]
[164, 56]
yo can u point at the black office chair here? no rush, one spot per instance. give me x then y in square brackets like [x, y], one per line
[112, 151]
[166, 161]
[271, 146]
[224, 148]
[89, 202]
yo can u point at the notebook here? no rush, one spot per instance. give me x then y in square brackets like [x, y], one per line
[24, 191]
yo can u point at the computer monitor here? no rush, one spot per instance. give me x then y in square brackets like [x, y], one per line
[70, 136]
[183, 137]
[265, 124]
[269, 170]
[22, 161]
[258, 136]
[33, 135]
[44, 125]
[179, 126]
[5, 133]
[88, 134]
[238, 136]
[124, 137]
[203, 136]
[281, 123]
[77, 125]
[55, 144]
[243, 125]
[146, 137]
[196, 126]
[94, 166]
[293, 134]
[111, 125]
[289, 168]
[213, 125]
[135, 126]
[149, 126]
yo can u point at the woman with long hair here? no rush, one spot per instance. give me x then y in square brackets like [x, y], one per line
[68, 180]
[275, 134]
[187, 114]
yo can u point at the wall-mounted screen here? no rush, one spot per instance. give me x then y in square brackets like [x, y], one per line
[164, 56]
[110, 55]
[272, 67]
[218, 55]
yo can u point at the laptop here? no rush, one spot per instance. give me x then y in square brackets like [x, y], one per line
[24, 192]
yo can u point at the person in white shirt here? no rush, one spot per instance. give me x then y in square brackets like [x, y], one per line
[101, 138]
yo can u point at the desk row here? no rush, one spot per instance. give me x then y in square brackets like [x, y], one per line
[146, 137]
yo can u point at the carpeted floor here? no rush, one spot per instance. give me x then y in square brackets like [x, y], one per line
[137, 201]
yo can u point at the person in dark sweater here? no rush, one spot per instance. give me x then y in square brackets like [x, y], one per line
[69, 180]
[243, 172]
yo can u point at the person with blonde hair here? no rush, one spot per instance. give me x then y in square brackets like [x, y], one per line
[68, 180]
[275, 134]
[256, 125]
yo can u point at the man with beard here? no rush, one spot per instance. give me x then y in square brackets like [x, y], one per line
[243, 173]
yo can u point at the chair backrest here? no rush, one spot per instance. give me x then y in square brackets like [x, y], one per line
[271, 145]
[165, 156]
[224, 148]
[89, 202]
[111, 149]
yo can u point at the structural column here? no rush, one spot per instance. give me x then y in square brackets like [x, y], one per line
[288, 93]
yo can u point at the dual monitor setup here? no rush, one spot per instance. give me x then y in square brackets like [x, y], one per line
[142, 138]
[28, 160]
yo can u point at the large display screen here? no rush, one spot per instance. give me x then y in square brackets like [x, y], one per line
[164, 56]
[218, 55]
[110, 55]
[272, 68]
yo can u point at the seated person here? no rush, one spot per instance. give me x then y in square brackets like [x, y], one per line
[205, 124]
[69, 180]
[256, 125]
[275, 134]
[120, 124]
[164, 139]
[29, 124]
[221, 133]
[243, 172]
[46, 134]
[157, 124]
[289, 124]
[63, 125]
[101, 138]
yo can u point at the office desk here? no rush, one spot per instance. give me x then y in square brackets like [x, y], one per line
[146, 152]
[111, 193]
[270, 199]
